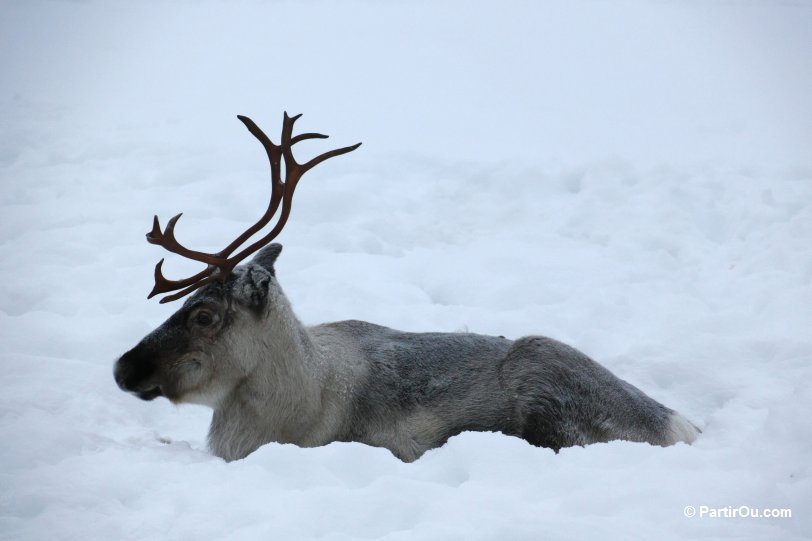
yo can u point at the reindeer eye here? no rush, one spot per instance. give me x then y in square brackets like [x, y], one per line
[204, 318]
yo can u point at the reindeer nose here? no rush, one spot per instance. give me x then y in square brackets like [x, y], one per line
[121, 373]
[133, 369]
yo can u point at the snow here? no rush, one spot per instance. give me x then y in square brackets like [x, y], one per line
[633, 178]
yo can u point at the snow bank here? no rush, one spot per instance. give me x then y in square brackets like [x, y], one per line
[631, 178]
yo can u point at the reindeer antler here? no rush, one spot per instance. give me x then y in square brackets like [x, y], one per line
[220, 264]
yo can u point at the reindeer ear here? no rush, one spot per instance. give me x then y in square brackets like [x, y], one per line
[251, 288]
[267, 257]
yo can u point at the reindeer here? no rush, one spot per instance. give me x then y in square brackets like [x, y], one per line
[236, 346]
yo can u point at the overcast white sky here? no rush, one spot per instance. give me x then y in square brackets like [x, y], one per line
[688, 82]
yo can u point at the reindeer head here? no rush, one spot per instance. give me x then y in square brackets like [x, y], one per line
[201, 352]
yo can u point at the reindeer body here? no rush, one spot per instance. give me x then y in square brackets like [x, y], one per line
[270, 378]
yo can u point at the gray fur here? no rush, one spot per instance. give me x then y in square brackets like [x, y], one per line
[269, 378]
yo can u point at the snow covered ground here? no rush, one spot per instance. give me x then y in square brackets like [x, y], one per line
[633, 178]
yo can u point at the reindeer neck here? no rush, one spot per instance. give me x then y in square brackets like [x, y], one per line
[281, 398]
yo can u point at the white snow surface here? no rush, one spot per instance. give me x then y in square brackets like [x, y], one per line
[633, 178]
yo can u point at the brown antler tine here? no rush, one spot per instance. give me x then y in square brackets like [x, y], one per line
[160, 280]
[164, 285]
[168, 235]
[291, 119]
[273, 151]
[303, 136]
[287, 143]
[166, 239]
[193, 287]
[327, 155]
[155, 234]
[257, 132]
